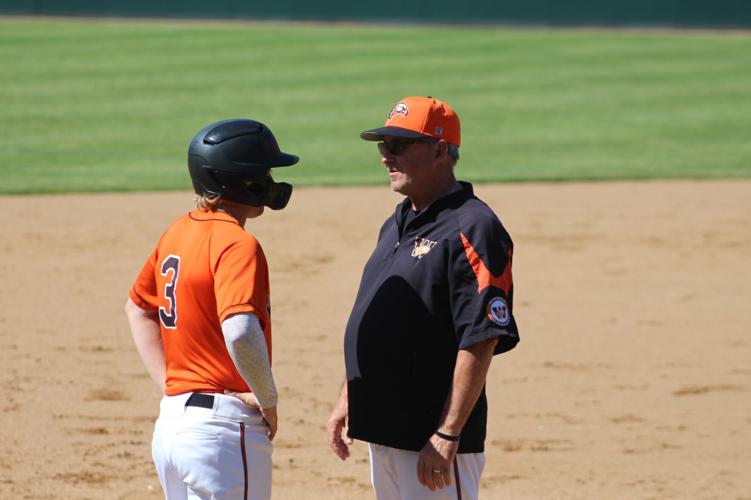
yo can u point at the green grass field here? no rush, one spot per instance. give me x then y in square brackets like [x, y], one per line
[111, 105]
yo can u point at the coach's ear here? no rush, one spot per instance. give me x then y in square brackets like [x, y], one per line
[441, 150]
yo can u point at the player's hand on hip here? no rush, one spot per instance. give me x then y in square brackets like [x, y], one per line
[246, 397]
[270, 417]
[336, 427]
[269, 414]
[434, 463]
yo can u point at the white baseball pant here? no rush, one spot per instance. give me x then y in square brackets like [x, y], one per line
[216, 451]
[394, 476]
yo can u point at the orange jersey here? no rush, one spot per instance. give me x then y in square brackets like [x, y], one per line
[205, 268]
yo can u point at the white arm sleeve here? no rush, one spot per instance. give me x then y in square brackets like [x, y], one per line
[246, 344]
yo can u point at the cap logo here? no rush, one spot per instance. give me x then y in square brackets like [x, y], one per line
[438, 131]
[399, 109]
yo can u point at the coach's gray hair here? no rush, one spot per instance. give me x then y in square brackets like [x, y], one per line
[453, 153]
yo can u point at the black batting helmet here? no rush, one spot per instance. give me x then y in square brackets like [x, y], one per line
[234, 158]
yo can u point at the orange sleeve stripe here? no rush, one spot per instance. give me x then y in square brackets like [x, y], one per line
[484, 277]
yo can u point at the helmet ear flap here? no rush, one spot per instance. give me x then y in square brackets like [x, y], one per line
[216, 181]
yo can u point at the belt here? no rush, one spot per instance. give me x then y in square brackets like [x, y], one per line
[201, 400]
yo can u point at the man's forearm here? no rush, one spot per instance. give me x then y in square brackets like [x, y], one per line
[343, 392]
[246, 345]
[471, 369]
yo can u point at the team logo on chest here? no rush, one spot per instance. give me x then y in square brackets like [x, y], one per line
[422, 247]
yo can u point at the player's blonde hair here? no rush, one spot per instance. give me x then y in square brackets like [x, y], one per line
[208, 201]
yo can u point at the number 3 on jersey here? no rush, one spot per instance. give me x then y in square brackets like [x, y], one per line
[171, 264]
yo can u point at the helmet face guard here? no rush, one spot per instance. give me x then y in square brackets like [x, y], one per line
[233, 159]
[277, 195]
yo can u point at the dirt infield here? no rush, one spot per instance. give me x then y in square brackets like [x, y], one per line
[632, 379]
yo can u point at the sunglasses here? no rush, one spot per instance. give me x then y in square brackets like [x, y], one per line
[396, 148]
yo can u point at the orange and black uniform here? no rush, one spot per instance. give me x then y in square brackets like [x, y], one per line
[437, 282]
[205, 268]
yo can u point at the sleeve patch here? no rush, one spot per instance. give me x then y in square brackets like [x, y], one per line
[498, 311]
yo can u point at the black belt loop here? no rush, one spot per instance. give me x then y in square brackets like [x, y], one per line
[200, 400]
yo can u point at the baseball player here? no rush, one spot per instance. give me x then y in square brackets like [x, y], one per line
[434, 306]
[200, 318]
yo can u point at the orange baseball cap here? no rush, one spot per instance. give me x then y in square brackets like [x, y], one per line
[419, 117]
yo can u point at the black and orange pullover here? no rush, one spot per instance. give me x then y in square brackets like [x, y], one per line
[437, 282]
